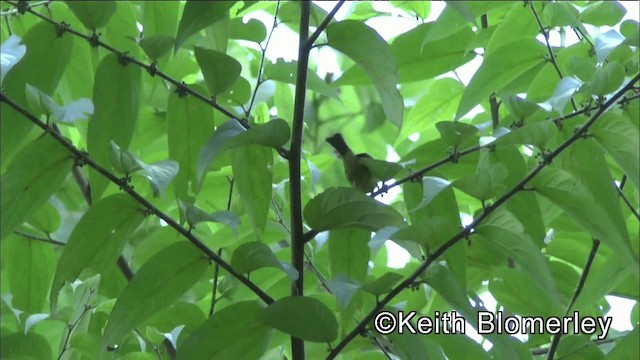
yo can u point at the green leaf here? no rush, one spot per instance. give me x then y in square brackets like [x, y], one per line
[33, 176]
[256, 255]
[499, 68]
[253, 177]
[245, 335]
[157, 46]
[196, 215]
[287, 72]
[12, 51]
[604, 13]
[381, 170]
[584, 69]
[607, 79]
[231, 134]
[50, 55]
[358, 41]
[220, 70]
[627, 347]
[31, 275]
[108, 224]
[39, 102]
[123, 161]
[383, 284]
[92, 16]
[618, 136]
[198, 15]
[486, 183]
[186, 138]
[157, 285]
[253, 30]
[45, 219]
[344, 288]
[437, 104]
[343, 207]
[564, 190]
[302, 317]
[25, 346]
[115, 96]
[516, 290]
[160, 174]
[605, 43]
[349, 253]
[455, 133]
[538, 134]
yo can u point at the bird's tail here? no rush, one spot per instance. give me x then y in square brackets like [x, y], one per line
[338, 143]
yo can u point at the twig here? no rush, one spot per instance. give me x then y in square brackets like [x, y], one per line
[295, 186]
[583, 278]
[626, 200]
[552, 57]
[485, 213]
[259, 80]
[152, 209]
[31, 5]
[323, 25]
[152, 69]
[37, 238]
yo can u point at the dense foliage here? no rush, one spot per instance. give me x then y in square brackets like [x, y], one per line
[167, 191]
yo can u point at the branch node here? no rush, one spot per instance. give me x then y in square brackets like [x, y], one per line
[153, 68]
[61, 28]
[123, 182]
[94, 39]
[182, 90]
[23, 7]
[125, 58]
[454, 155]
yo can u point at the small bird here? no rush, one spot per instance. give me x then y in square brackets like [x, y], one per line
[357, 172]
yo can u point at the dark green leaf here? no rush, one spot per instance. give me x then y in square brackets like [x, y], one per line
[255, 255]
[383, 284]
[108, 224]
[49, 54]
[92, 16]
[343, 207]
[302, 317]
[198, 15]
[220, 70]
[30, 272]
[253, 177]
[349, 253]
[25, 346]
[33, 176]
[231, 134]
[252, 30]
[499, 68]
[627, 347]
[245, 335]
[358, 41]
[115, 96]
[157, 46]
[619, 137]
[157, 285]
[381, 170]
[196, 215]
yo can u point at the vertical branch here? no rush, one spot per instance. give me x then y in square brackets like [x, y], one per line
[493, 103]
[295, 195]
[583, 278]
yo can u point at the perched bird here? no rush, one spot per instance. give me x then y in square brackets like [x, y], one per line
[357, 172]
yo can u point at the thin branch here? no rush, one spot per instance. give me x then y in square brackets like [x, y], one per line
[323, 25]
[466, 231]
[152, 69]
[295, 185]
[626, 200]
[259, 80]
[38, 238]
[150, 208]
[583, 278]
[552, 57]
[31, 6]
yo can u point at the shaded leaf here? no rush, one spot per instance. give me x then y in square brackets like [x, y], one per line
[33, 176]
[198, 15]
[255, 255]
[251, 167]
[158, 284]
[344, 207]
[302, 317]
[90, 15]
[607, 79]
[108, 224]
[196, 215]
[156, 46]
[349, 253]
[383, 284]
[220, 70]
[455, 133]
[358, 41]
[486, 183]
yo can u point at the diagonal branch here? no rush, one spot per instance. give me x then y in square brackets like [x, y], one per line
[152, 209]
[579, 133]
[583, 278]
[323, 25]
[151, 68]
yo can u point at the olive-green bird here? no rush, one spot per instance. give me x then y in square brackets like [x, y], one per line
[357, 172]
